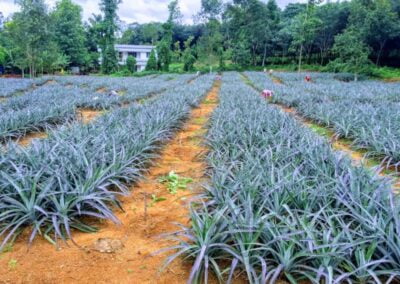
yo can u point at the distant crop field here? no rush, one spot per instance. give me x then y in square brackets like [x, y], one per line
[185, 178]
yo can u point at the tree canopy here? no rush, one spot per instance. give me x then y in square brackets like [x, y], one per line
[241, 32]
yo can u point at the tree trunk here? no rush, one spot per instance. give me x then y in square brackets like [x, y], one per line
[265, 55]
[381, 46]
[300, 57]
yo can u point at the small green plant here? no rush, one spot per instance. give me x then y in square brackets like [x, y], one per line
[7, 248]
[12, 263]
[175, 182]
[155, 199]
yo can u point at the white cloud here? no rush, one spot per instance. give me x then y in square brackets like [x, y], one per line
[141, 11]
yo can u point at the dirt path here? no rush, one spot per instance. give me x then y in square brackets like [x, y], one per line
[133, 262]
[27, 139]
[88, 115]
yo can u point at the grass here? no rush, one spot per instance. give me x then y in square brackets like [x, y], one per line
[386, 73]
[199, 120]
[320, 130]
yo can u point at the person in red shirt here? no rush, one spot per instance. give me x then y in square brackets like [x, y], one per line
[266, 94]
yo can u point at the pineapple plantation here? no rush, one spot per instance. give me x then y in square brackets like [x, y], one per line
[196, 178]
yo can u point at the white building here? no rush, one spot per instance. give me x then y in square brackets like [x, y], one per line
[140, 52]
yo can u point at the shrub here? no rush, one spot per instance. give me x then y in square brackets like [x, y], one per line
[131, 64]
[152, 62]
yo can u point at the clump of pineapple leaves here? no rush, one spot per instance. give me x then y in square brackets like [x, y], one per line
[175, 182]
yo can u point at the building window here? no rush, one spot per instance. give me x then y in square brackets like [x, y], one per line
[147, 54]
[134, 54]
[120, 56]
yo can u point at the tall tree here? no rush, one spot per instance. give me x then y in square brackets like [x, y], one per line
[29, 36]
[334, 18]
[109, 55]
[384, 24]
[211, 40]
[69, 31]
[352, 53]
[165, 46]
[305, 28]
[93, 40]
[188, 57]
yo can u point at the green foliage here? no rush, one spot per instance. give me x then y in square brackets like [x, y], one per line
[3, 55]
[304, 29]
[383, 25]
[164, 55]
[28, 35]
[12, 263]
[247, 33]
[221, 58]
[147, 33]
[131, 64]
[350, 57]
[109, 25]
[385, 73]
[152, 62]
[175, 182]
[52, 59]
[188, 61]
[176, 67]
[155, 199]
[177, 54]
[68, 31]
[188, 56]
[94, 38]
[347, 77]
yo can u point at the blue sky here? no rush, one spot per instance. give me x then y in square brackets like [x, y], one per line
[141, 11]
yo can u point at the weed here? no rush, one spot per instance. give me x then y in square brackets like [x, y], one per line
[155, 199]
[175, 182]
[12, 263]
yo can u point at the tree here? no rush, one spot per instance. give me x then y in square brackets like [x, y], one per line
[94, 37]
[305, 27]
[1, 21]
[152, 62]
[52, 59]
[383, 26]
[188, 57]
[69, 31]
[109, 56]
[334, 18]
[148, 33]
[29, 35]
[352, 53]
[165, 46]
[177, 51]
[3, 55]
[164, 55]
[131, 64]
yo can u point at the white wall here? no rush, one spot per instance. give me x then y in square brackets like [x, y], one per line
[141, 59]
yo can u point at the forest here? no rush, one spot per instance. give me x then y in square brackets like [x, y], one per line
[357, 36]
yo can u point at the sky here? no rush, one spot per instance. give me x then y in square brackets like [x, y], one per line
[130, 11]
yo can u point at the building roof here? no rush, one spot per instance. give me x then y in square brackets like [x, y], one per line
[130, 47]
